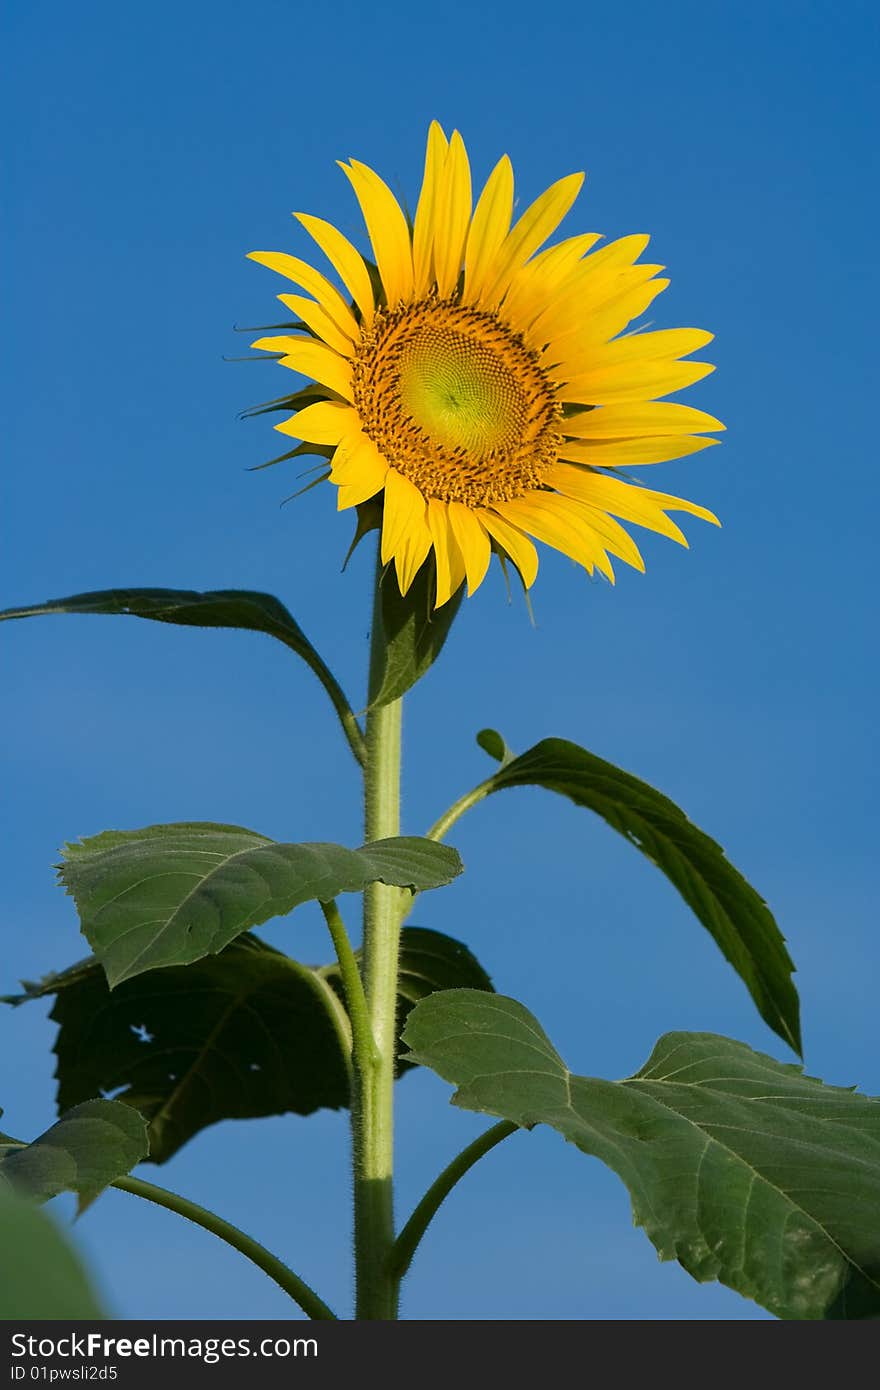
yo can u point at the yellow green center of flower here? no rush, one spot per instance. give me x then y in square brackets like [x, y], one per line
[461, 393]
[456, 403]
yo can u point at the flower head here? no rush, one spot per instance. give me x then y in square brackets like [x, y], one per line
[479, 384]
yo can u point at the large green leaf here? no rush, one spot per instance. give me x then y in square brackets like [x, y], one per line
[429, 961]
[170, 894]
[43, 1277]
[414, 633]
[740, 1167]
[83, 1152]
[233, 608]
[246, 1033]
[735, 915]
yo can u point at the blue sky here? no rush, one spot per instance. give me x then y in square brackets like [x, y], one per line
[154, 147]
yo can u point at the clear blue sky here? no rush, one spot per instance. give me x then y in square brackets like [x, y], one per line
[153, 147]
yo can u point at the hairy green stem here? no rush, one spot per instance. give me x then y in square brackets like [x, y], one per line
[373, 1099]
[363, 1042]
[445, 824]
[458, 808]
[407, 1242]
[313, 1306]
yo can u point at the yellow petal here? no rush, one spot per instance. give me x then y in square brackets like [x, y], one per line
[320, 322]
[573, 309]
[472, 542]
[620, 311]
[603, 530]
[589, 488]
[412, 552]
[450, 561]
[593, 536]
[650, 347]
[404, 504]
[536, 284]
[356, 456]
[489, 227]
[352, 495]
[515, 544]
[613, 537]
[324, 422]
[346, 261]
[638, 381]
[321, 363]
[453, 216]
[618, 254]
[640, 418]
[560, 260]
[426, 211]
[631, 503]
[538, 222]
[389, 233]
[358, 469]
[278, 342]
[612, 453]
[570, 355]
[314, 283]
[542, 516]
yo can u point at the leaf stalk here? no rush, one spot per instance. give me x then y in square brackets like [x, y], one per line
[305, 1297]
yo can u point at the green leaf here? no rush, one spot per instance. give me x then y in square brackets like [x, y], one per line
[414, 633]
[170, 894]
[239, 608]
[429, 961]
[86, 1149]
[734, 914]
[228, 608]
[740, 1167]
[46, 1279]
[246, 1033]
[492, 743]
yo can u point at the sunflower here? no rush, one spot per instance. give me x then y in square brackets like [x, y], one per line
[483, 388]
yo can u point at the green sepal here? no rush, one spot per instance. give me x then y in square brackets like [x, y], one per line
[415, 632]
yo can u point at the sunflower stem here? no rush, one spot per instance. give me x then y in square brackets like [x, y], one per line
[372, 1108]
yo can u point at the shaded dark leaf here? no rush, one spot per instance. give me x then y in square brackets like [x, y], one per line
[246, 1033]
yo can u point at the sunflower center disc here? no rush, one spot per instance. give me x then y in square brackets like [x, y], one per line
[456, 403]
[461, 393]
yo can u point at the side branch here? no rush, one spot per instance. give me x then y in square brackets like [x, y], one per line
[408, 1241]
[364, 1044]
[296, 1288]
[458, 808]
